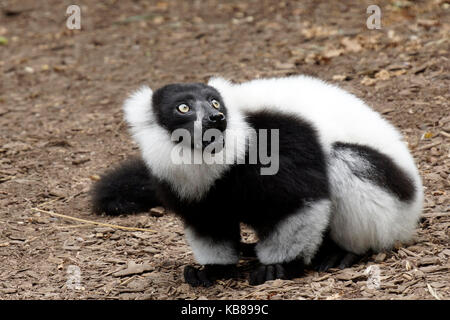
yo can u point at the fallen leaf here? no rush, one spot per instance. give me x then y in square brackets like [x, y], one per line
[367, 81]
[382, 75]
[3, 41]
[351, 44]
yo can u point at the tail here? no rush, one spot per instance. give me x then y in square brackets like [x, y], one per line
[129, 188]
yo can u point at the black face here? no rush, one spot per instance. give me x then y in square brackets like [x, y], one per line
[190, 106]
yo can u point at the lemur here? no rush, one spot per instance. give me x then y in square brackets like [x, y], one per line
[345, 183]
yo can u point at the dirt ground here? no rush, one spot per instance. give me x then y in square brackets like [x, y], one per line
[61, 126]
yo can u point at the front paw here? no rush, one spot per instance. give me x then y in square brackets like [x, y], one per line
[208, 274]
[283, 271]
[266, 273]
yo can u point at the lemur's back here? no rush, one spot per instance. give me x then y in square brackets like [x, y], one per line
[375, 186]
[337, 115]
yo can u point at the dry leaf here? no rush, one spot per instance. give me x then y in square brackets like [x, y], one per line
[367, 81]
[382, 75]
[351, 44]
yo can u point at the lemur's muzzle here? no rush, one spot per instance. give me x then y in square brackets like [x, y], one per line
[214, 125]
[217, 117]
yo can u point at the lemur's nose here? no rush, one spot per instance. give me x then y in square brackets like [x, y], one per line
[217, 117]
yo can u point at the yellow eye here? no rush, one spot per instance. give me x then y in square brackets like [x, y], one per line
[215, 104]
[183, 108]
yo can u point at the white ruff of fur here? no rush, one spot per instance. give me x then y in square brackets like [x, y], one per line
[189, 181]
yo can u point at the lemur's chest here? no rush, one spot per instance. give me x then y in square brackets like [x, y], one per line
[248, 191]
[242, 194]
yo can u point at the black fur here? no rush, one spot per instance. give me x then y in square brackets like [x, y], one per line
[206, 275]
[385, 173]
[129, 188]
[288, 270]
[244, 195]
[331, 255]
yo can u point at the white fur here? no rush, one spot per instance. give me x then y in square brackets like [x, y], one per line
[367, 216]
[206, 251]
[297, 236]
[336, 114]
[190, 181]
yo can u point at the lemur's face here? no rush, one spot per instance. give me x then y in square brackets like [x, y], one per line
[194, 107]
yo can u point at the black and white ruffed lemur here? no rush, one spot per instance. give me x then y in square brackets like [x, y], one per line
[345, 184]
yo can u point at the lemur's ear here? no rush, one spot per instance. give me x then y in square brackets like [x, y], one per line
[225, 88]
[220, 83]
[137, 107]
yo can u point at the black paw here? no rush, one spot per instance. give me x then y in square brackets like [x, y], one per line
[269, 272]
[331, 255]
[340, 259]
[247, 250]
[266, 273]
[207, 275]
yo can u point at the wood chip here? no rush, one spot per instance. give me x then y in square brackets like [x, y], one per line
[432, 269]
[429, 146]
[157, 211]
[428, 260]
[80, 161]
[350, 275]
[380, 257]
[134, 268]
[433, 292]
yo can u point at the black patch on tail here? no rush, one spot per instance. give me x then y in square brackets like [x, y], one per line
[129, 188]
[385, 173]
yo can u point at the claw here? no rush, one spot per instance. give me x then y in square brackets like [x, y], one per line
[339, 259]
[206, 276]
[266, 273]
[348, 260]
[331, 255]
[196, 277]
[269, 272]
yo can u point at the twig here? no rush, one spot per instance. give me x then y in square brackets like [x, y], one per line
[50, 201]
[262, 288]
[435, 214]
[73, 226]
[445, 134]
[30, 240]
[93, 222]
[428, 146]
[127, 280]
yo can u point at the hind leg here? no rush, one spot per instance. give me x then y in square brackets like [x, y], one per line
[330, 255]
[292, 243]
[218, 255]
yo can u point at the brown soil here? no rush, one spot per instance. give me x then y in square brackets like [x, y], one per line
[61, 125]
